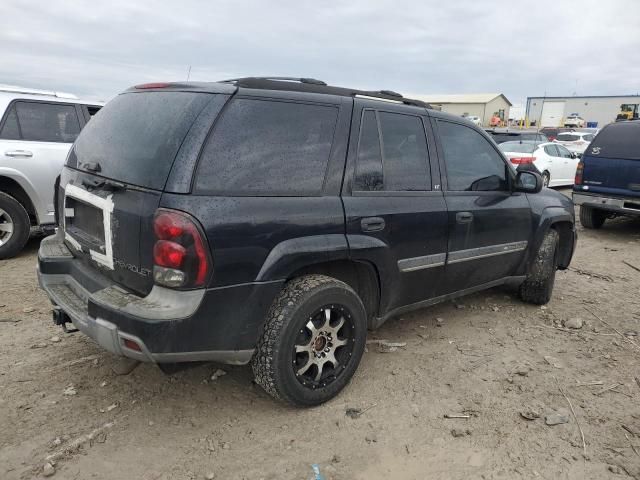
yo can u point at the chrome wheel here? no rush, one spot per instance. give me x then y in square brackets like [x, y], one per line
[6, 227]
[324, 346]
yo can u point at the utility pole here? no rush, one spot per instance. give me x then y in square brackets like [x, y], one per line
[189, 73]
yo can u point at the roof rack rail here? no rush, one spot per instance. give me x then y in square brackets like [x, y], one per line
[311, 81]
[311, 85]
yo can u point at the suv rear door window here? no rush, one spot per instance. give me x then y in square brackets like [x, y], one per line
[551, 150]
[270, 148]
[404, 153]
[48, 122]
[136, 136]
[472, 162]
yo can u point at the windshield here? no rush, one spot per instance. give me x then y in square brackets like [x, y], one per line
[135, 137]
[518, 147]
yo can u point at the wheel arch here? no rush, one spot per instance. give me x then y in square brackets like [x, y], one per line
[11, 187]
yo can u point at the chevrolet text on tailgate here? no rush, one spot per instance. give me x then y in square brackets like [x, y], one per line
[273, 221]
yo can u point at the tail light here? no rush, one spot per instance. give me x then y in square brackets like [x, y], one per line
[579, 173]
[523, 160]
[181, 254]
[145, 86]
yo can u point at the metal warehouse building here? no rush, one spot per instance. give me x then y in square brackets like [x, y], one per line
[482, 105]
[551, 111]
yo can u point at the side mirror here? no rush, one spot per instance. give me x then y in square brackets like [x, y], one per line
[573, 155]
[528, 182]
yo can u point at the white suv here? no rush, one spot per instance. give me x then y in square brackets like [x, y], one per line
[37, 129]
[574, 120]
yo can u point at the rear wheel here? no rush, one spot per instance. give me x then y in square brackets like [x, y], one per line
[592, 217]
[14, 226]
[538, 286]
[312, 342]
[546, 178]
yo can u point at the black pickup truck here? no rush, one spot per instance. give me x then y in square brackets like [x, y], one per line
[274, 221]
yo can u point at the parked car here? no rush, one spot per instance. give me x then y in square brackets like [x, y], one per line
[273, 222]
[556, 164]
[576, 142]
[552, 132]
[574, 120]
[608, 177]
[474, 119]
[500, 136]
[37, 128]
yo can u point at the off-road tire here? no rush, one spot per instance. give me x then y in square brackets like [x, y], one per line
[290, 311]
[592, 217]
[21, 226]
[538, 286]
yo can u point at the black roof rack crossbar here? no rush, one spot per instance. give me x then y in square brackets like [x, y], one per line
[311, 85]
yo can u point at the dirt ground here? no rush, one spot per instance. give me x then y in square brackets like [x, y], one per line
[489, 356]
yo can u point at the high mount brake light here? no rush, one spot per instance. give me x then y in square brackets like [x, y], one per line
[180, 254]
[145, 86]
[522, 160]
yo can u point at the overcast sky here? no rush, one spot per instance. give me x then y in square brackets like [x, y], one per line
[520, 48]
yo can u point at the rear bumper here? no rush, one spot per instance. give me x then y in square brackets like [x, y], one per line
[621, 205]
[219, 324]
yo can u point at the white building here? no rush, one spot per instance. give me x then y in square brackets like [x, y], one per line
[599, 110]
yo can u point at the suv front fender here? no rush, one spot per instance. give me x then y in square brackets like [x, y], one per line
[555, 217]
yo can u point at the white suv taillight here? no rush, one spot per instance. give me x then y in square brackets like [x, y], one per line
[180, 255]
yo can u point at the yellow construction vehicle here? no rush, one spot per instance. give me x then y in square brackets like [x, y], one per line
[628, 111]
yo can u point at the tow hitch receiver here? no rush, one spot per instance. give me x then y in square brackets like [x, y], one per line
[61, 318]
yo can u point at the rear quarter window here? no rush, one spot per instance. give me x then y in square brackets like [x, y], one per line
[268, 148]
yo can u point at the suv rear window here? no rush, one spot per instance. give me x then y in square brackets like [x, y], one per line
[268, 148]
[619, 140]
[135, 137]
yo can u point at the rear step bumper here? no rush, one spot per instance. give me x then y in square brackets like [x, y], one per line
[168, 326]
[622, 205]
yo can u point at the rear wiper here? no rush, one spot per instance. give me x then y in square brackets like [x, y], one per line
[103, 184]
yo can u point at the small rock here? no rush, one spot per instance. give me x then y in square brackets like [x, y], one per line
[56, 442]
[553, 361]
[631, 333]
[495, 308]
[529, 414]
[151, 423]
[55, 339]
[460, 432]
[217, 374]
[615, 469]
[70, 390]
[29, 310]
[557, 418]
[460, 306]
[576, 323]
[103, 384]
[336, 458]
[48, 469]
[39, 345]
[439, 322]
[225, 446]
[615, 343]
[113, 406]
[522, 370]
[210, 476]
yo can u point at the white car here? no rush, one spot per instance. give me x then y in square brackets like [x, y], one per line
[576, 142]
[37, 129]
[575, 121]
[556, 164]
[474, 119]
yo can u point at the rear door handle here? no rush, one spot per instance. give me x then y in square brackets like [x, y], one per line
[18, 153]
[464, 217]
[372, 224]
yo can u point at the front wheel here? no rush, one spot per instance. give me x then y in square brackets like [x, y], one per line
[312, 341]
[538, 285]
[592, 217]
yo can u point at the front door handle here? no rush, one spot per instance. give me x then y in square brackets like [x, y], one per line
[464, 217]
[18, 153]
[372, 224]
